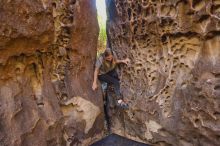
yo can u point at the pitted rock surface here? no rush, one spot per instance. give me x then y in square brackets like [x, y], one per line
[47, 51]
[173, 79]
[47, 55]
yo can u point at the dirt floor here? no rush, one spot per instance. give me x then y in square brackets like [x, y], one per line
[116, 140]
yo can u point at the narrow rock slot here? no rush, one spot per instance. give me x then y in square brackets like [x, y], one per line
[48, 50]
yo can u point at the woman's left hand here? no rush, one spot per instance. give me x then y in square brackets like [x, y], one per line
[126, 61]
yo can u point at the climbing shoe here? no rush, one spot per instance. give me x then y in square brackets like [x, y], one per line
[122, 104]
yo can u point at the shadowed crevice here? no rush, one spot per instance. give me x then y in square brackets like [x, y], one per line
[116, 140]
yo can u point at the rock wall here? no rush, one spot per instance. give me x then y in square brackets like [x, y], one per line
[47, 53]
[173, 80]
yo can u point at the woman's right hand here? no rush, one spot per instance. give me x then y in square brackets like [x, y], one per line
[94, 86]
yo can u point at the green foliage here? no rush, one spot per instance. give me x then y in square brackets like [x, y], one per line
[102, 35]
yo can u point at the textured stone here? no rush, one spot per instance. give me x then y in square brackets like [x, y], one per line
[47, 51]
[173, 79]
[82, 110]
[47, 55]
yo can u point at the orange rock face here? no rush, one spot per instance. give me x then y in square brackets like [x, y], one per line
[174, 76]
[47, 53]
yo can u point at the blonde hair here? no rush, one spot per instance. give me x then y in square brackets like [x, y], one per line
[107, 52]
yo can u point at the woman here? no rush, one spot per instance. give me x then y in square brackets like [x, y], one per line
[105, 71]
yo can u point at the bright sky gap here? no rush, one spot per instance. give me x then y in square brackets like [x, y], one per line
[101, 9]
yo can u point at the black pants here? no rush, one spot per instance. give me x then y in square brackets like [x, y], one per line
[111, 77]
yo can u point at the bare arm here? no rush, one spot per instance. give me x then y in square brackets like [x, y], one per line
[96, 75]
[94, 85]
[125, 61]
[119, 61]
